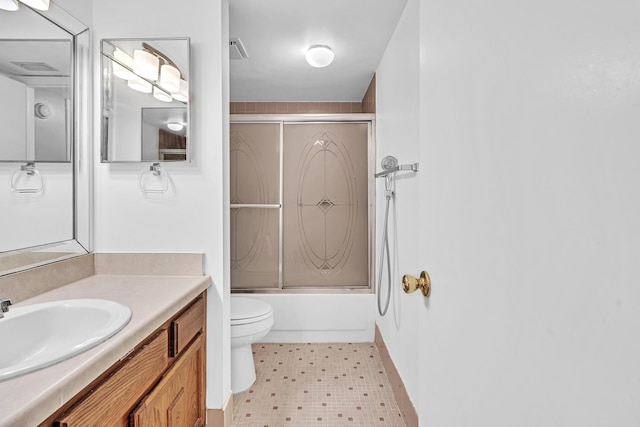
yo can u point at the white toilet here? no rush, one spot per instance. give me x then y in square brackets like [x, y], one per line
[251, 320]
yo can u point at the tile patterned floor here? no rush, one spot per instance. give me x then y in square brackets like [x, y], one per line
[304, 385]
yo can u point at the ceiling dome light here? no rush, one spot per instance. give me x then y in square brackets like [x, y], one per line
[10, 5]
[319, 55]
[37, 4]
[175, 126]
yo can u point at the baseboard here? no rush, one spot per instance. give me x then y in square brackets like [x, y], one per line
[221, 417]
[399, 390]
[344, 336]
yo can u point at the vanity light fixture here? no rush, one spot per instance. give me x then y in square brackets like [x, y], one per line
[37, 4]
[10, 5]
[161, 95]
[169, 78]
[175, 126]
[319, 55]
[164, 82]
[140, 85]
[145, 64]
[118, 69]
[182, 94]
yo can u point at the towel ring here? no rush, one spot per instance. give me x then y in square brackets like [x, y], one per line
[25, 171]
[154, 171]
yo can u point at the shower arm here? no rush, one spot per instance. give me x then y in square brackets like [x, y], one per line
[414, 167]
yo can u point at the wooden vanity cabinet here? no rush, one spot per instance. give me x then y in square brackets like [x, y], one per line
[175, 400]
[161, 383]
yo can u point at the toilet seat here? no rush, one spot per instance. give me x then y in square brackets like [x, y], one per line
[246, 310]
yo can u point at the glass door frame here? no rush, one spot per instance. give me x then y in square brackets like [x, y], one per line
[283, 119]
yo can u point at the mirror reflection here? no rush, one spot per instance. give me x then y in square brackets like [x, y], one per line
[145, 100]
[164, 135]
[44, 130]
[36, 83]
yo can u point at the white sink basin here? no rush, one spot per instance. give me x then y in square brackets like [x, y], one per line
[39, 335]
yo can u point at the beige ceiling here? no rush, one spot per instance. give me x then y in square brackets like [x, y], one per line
[276, 34]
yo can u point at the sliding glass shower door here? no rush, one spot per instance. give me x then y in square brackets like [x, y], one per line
[255, 205]
[299, 205]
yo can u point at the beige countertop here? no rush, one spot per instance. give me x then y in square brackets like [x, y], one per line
[29, 399]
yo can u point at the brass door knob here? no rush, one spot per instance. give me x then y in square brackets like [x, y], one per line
[411, 284]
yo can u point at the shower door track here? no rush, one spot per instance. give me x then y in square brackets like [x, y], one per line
[283, 119]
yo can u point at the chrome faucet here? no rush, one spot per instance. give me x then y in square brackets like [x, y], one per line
[4, 306]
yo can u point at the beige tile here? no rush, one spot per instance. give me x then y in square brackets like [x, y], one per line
[182, 264]
[29, 283]
[317, 385]
[250, 108]
[261, 108]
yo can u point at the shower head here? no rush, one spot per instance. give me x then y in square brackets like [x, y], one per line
[389, 162]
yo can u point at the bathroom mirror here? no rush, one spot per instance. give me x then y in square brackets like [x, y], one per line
[44, 142]
[145, 100]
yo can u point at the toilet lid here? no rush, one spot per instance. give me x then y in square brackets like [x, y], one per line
[249, 310]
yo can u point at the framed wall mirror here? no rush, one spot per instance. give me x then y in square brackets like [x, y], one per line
[145, 100]
[44, 138]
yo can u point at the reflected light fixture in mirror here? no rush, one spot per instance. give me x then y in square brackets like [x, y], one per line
[174, 126]
[319, 55]
[139, 84]
[161, 95]
[182, 94]
[145, 64]
[37, 4]
[141, 73]
[169, 78]
[121, 71]
[12, 5]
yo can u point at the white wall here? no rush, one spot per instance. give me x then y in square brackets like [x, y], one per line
[397, 134]
[190, 217]
[529, 213]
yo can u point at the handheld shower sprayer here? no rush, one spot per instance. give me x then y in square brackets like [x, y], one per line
[389, 166]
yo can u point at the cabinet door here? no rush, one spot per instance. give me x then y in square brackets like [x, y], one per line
[110, 402]
[178, 399]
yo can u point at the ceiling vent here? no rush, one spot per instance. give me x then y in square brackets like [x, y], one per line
[236, 49]
[34, 66]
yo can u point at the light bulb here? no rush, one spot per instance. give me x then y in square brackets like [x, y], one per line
[119, 70]
[145, 64]
[182, 94]
[37, 4]
[161, 95]
[170, 78]
[140, 85]
[10, 5]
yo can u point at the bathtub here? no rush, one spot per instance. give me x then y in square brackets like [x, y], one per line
[320, 317]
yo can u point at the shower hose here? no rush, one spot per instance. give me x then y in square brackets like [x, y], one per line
[385, 248]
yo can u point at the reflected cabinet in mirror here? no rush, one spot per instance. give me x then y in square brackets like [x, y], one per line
[44, 137]
[145, 100]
